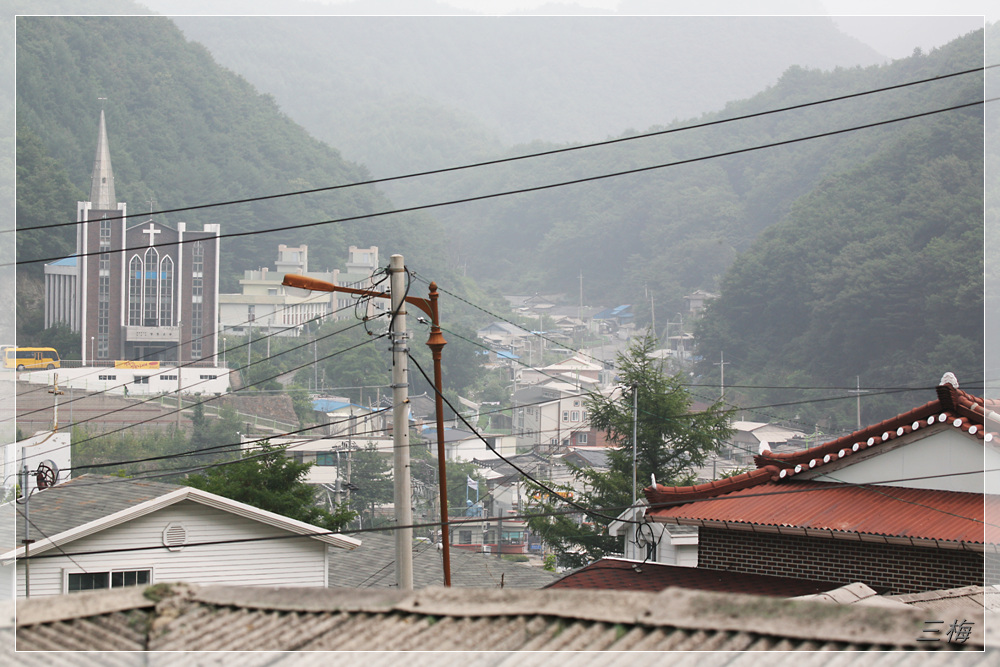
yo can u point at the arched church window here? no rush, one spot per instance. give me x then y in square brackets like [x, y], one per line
[150, 287]
[166, 291]
[135, 291]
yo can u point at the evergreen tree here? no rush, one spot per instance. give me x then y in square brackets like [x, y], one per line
[371, 479]
[672, 442]
[269, 480]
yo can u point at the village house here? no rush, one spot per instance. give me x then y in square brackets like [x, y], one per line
[898, 506]
[97, 532]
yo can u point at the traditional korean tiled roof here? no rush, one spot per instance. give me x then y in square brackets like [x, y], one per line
[953, 406]
[760, 497]
[629, 575]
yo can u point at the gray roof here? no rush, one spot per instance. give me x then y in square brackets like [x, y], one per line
[593, 458]
[184, 618]
[372, 565]
[84, 499]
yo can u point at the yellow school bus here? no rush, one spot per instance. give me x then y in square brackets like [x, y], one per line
[30, 358]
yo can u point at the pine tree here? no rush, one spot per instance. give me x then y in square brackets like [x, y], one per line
[672, 442]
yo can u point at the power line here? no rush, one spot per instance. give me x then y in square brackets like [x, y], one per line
[194, 362]
[532, 189]
[208, 400]
[526, 516]
[528, 156]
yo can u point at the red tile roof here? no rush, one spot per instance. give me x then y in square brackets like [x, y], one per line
[893, 514]
[627, 575]
[901, 513]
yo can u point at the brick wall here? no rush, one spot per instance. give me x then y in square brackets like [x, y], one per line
[889, 569]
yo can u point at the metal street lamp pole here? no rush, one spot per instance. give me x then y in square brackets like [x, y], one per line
[436, 342]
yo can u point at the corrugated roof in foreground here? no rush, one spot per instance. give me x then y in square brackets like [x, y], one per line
[256, 619]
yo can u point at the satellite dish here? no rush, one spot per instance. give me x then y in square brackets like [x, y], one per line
[47, 474]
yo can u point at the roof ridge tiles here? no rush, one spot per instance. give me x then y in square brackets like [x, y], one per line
[866, 434]
[681, 494]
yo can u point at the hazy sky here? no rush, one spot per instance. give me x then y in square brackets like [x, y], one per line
[892, 28]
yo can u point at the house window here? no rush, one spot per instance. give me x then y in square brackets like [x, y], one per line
[168, 377]
[465, 537]
[326, 459]
[141, 379]
[565, 415]
[91, 581]
[581, 438]
[107, 377]
[207, 377]
[576, 404]
[575, 416]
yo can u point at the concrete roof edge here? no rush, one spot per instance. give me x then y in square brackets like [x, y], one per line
[55, 608]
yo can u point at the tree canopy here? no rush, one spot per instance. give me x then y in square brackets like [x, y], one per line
[672, 440]
[268, 479]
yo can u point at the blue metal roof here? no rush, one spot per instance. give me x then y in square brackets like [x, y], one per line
[610, 313]
[68, 261]
[330, 405]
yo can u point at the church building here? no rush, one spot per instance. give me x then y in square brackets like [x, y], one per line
[135, 291]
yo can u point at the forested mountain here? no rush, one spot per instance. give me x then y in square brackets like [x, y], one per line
[853, 254]
[186, 132]
[409, 93]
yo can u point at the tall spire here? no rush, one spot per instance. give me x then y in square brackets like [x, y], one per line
[102, 188]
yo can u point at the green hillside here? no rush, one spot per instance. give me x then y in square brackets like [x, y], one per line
[186, 132]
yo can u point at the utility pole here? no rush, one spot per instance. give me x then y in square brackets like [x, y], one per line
[635, 439]
[56, 393]
[858, 392]
[721, 363]
[436, 343]
[180, 356]
[400, 426]
[26, 541]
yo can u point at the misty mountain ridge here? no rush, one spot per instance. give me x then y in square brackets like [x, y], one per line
[185, 131]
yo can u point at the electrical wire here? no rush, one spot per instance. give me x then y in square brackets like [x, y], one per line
[521, 517]
[535, 188]
[528, 156]
[196, 363]
[209, 399]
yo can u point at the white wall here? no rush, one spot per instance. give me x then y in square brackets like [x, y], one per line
[44, 446]
[924, 463]
[295, 561]
[194, 380]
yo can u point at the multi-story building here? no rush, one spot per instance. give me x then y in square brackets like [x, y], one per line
[135, 291]
[265, 303]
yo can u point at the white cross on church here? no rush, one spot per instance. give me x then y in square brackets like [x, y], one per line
[152, 231]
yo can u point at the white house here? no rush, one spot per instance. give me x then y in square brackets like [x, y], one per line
[655, 542]
[96, 532]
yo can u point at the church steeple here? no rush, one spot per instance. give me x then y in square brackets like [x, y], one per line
[102, 188]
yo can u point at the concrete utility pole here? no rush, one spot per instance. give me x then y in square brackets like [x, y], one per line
[56, 393]
[858, 392]
[400, 426]
[635, 440]
[436, 342]
[721, 363]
